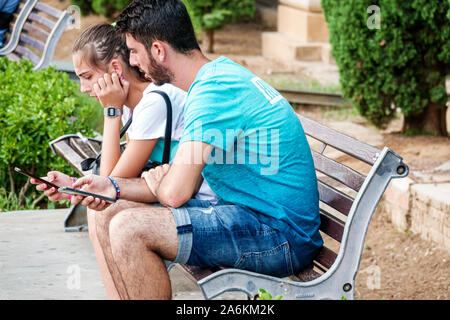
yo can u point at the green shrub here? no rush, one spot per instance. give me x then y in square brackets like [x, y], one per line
[402, 64]
[35, 108]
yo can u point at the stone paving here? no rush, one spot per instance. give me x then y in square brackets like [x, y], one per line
[40, 261]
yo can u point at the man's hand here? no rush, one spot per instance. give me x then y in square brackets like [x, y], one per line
[154, 176]
[111, 91]
[94, 184]
[58, 178]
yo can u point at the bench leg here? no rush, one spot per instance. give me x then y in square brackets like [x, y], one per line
[76, 219]
[249, 283]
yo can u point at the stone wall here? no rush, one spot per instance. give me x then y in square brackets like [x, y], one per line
[302, 33]
[421, 208]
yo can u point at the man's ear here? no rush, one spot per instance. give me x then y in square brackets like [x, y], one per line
[159, 51]
[116, 66]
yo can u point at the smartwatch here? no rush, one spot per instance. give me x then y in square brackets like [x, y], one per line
[112, 112]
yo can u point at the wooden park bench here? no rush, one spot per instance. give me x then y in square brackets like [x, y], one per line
[348, 199]
[35, 33]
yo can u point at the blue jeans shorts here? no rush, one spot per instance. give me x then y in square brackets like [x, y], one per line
[229, 235]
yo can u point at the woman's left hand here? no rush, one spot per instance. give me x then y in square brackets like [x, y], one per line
[112, 91]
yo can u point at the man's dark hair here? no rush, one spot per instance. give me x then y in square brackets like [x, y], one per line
[163, 20]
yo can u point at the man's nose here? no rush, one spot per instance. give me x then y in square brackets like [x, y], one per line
[133, 61]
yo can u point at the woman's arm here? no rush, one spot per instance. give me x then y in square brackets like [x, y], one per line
[111, 92]
[133, 158]
[110, 145]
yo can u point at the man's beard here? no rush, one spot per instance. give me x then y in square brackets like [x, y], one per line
[158, 73]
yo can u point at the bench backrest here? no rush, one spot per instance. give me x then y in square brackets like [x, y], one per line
[344, 194]
[36, 32]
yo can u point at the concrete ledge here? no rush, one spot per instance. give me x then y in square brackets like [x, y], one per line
[422, 208]
[280, 47]
[430, 212]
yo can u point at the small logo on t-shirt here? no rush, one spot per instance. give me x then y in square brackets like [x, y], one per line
[270, 93]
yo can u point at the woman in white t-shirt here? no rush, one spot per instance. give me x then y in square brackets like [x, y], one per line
[101, 61]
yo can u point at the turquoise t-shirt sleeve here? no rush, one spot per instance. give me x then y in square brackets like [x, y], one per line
[212, 114]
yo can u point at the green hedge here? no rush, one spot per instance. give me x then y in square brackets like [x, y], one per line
[402, 63]
[35, 108]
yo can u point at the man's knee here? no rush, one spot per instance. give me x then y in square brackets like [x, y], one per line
[151, 228]
[103, 218]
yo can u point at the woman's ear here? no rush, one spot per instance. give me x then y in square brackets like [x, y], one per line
[116, 66]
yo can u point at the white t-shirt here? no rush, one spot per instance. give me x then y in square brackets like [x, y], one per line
[149, 121]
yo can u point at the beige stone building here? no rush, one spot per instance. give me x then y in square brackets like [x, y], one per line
[302, 33]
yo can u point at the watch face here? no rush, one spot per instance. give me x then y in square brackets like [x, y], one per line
[111, 112]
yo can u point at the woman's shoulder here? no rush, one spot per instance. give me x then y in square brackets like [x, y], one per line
[169, 89]
[155, 103]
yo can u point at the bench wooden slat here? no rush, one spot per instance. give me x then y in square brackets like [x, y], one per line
[196, 272]
[334, 198]
[27, 53]
[307, 275]
[36, 31]
[41, 20]
[69, 155]
[48, 9]
[340, 141]
[13, 57]
[33, 42]
[81, 148]
[331, 227]
[338, 171]
[326, 257]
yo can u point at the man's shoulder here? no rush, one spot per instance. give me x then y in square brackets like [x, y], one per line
[222, 71]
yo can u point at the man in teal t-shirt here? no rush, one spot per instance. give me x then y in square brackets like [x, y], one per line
[261, 158]
[240, 135]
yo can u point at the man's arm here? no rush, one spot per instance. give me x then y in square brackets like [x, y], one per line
[130, 189]
[171, 186]
[176, 186]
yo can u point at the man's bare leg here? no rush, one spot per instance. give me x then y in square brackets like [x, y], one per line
[108, 282]
[140, 239]
[112, 278]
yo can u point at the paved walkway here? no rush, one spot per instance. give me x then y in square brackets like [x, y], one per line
[39, 260]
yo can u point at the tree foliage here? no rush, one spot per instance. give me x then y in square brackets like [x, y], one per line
[107, 8]
[215, 14]
[210, 15]
[401, 63]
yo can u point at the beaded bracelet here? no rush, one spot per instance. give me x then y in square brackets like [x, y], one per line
[115, 186]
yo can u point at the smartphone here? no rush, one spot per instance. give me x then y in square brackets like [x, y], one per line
[85, 194]
[26, 173]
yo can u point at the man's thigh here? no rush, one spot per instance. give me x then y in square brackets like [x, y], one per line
[154, 226]
[232, 236]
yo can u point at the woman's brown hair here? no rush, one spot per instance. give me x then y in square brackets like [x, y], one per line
[101, 43]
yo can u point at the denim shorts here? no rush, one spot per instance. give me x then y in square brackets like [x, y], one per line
[229, 235]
